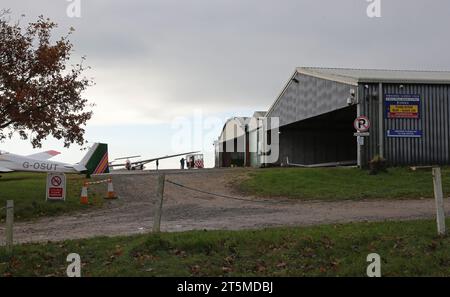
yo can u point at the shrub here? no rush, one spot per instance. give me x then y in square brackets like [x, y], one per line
[377, 164]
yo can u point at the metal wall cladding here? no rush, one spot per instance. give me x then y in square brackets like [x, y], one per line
[253, 147]
[309, 97]
[433, 147]
[368, 98]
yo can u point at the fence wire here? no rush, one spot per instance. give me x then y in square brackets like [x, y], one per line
[227, 196]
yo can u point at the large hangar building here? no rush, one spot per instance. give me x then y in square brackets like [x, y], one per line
[408, 112]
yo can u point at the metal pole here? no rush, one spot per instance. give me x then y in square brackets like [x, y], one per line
[360, 148]
[159, 203]
[9, 225]
[438, 195]
[265, 145]
[380, 121]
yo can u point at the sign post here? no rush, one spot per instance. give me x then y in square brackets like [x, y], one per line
[56, 187]
[159, 203]
[362, 126]
[9, 225]
[438, 195]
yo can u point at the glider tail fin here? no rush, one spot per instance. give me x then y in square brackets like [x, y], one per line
[96, 159]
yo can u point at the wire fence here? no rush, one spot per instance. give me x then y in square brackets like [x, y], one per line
[228, 196]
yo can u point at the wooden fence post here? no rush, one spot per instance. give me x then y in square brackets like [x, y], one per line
[9, 225]
[159, 203]
[439, 196]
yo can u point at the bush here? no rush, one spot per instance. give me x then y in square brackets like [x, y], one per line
[377, 164]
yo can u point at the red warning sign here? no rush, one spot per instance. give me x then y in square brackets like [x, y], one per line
[56, 186]
[55, 193]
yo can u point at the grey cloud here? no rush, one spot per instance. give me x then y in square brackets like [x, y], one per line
[232, 54]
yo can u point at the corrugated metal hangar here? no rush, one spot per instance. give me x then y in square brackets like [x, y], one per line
[408, 112]
[231, 147]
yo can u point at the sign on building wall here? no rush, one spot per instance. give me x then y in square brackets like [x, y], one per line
[404, 133]
[402, 106]
[56, 186]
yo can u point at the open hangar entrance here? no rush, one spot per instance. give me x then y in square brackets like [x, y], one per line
[316, 115]
[232, 147]
[327, 138]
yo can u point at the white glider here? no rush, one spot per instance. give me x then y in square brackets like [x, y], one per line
[94, 162]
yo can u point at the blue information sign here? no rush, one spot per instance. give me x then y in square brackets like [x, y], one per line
[405, 133]
[402, 106]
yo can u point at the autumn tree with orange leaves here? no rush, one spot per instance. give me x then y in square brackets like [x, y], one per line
[40, 94]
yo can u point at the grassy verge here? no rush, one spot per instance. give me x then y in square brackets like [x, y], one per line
[28, 192]
[340, 183]
[406, 249]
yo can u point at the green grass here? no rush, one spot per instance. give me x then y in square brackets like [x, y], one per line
[28, 192]
[406, 248]
[340, 183]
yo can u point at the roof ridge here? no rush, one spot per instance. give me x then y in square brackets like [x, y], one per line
[370, 69]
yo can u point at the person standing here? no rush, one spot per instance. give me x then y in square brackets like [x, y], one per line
[182, 163]
[157, 164]
[191, 162]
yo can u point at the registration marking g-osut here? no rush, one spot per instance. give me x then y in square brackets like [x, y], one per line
[39, 166]
[362, 124]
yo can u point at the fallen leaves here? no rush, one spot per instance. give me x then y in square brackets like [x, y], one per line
[141, 257]
[327, 242]
[229, 259]
[261, 267]
[226, 269]
[195, 269]
[179, 253]
[119, 251]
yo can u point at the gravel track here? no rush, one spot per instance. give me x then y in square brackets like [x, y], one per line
[187, 210]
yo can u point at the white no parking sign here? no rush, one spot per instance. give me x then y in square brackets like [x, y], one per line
[362, 124]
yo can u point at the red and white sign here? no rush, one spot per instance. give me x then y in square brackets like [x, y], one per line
[56, 186]
[362, 124]
[198, 163]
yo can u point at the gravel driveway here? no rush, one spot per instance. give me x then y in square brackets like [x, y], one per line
[187, 210]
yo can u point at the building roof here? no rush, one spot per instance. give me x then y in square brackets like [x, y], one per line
[259, 114]
[239, 122]
[355, 76]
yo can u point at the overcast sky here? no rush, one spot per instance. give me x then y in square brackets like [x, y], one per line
[156, 61]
